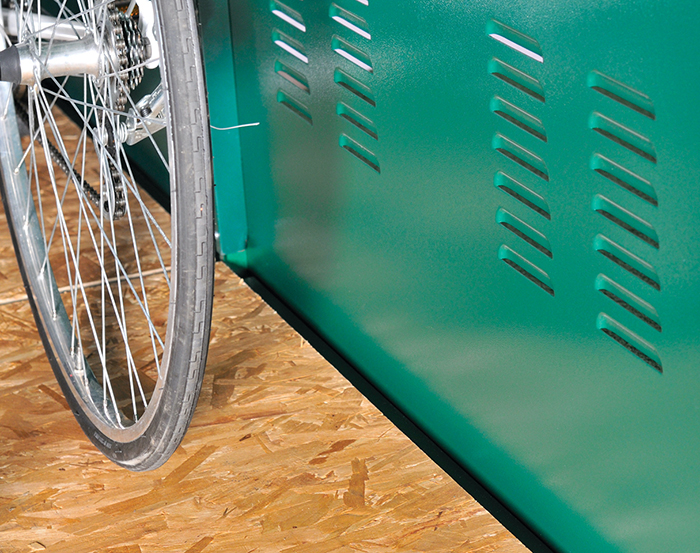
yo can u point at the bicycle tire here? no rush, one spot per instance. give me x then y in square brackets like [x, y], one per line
[94, 333]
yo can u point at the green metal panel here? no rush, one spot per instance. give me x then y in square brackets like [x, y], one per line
[231, 223]
[489, 208]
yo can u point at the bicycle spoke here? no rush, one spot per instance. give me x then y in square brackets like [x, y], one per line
[117, 305]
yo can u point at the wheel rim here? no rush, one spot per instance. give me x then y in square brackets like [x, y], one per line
[106, 310]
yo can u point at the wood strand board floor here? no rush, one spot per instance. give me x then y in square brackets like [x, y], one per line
[283, 455]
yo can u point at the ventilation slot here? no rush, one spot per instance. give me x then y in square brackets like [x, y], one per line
[359, 152]
[516, 78]
[352, 54]
[524, 231]
[521, 156]
[295, 106]
[630, 341]
[629, 301]
[294, 77]
[518, 117]
[628, 221]
[525, 268]
[354, 86]
[621, 93]
[623, 136]
[288, 15]
[627, 260]
[358, 120]
[515, 40]
[290, 46]
[626, 179]
[523, 194]
[351, 21]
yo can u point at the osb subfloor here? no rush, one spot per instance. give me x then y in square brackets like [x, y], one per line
[283, 455]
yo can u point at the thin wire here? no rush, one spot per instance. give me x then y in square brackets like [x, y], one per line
[234, 127]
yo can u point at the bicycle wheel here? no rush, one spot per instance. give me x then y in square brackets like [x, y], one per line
[121, 292]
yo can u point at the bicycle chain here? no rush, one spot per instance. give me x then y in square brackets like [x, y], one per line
[115, 176]
[130, 50]
[120, 46]
[58, 158]
[136, 51]
[131, 53]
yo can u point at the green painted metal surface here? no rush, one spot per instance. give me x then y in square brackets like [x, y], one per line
[231, 224]
[490, 208]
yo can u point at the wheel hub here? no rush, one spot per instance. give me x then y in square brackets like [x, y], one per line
[117, 66]
[117, 63]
